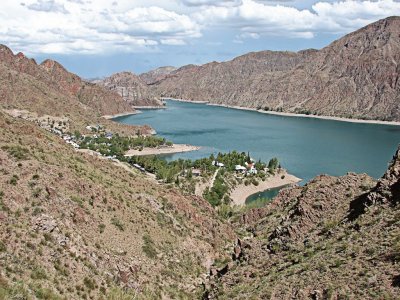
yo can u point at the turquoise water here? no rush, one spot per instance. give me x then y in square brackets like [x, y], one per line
[268, 194]
[305, 146]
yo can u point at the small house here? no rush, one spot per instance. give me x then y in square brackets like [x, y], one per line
[239, 168]
[196, 172]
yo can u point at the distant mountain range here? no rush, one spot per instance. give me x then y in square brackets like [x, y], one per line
[356, 76]
[131, 88]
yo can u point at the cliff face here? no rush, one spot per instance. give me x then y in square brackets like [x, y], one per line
[131, 88]
[332, 238]
[356, 76]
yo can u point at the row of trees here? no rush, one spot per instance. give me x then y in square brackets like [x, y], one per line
[117, 145]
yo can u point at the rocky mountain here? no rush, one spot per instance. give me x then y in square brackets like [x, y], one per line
[156, 75]
[356, 76]
[131, 88]
[49, 89]
[334, 238]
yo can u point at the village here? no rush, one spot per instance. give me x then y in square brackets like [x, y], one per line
[225, 179]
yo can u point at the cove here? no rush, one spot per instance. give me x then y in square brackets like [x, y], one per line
[306, 147]
[268, 194]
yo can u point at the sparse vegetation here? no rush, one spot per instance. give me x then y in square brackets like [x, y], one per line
[16, 151]
[117, 223]
[148, 246]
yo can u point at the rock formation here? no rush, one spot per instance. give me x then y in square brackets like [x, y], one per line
[131, 88]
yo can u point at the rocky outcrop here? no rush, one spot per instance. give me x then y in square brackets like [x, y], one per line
[356, 76]
[131, 88]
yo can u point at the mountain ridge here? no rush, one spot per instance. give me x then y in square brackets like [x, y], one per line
[356, 76]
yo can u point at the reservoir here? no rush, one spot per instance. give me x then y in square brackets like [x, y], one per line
[306, 147]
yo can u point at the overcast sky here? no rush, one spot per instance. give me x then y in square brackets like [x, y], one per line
[99, 37]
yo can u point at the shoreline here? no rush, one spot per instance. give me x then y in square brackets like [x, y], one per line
[149, 107]
[286, 114]
[183, 100]
[240, 193]
[110, 117]
[175, 148]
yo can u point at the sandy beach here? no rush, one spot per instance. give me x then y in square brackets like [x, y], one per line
[175, 148]
[108, 117]
[241, 192]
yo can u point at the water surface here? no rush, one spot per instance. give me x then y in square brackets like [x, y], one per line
[305, 146]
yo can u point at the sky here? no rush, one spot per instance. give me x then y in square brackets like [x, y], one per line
[95, 38]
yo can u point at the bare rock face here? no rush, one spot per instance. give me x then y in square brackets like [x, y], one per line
[131, 88]
[156, 75]
[356, 76]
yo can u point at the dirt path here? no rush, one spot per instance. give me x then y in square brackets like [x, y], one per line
[202, 186]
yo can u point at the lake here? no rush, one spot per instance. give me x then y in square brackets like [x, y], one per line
[306, 147]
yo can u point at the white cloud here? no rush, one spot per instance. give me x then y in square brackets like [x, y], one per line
[48, 6]
[249, 35]
[258, 17]
[173, 42]
[212, 2]
[103, 26]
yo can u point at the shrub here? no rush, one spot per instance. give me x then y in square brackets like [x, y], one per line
[3, 247]
[117, 223]
[38, 273]
[149, 247]
[89, 283]
[14, 180]
[16, 151]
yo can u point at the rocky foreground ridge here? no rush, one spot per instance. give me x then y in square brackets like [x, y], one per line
[334, 238]
[356, 76]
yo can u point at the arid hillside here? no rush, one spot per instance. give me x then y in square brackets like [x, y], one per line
[74, 226]
[356, 76]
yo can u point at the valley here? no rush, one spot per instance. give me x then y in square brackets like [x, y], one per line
[112, 190]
